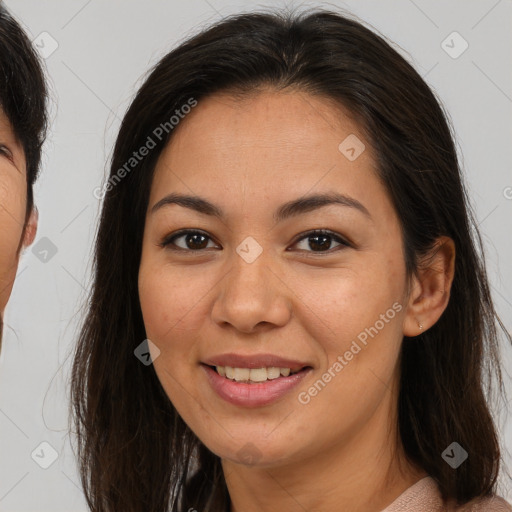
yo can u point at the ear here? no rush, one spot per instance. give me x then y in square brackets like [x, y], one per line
[31, 228]
[430, 288]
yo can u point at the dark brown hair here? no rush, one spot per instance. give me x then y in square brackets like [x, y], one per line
[23, 94]
[135, 451]
[23, 97]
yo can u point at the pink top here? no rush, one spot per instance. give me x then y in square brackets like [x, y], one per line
[424, 496]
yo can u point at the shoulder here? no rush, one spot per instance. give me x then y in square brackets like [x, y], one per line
[425, 496]
[490, 504]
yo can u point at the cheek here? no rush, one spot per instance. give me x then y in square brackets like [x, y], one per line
[359, 333]
[172, 303]
[358, 327]
[12, 218]
[167, 301]
[172, 312]
[338, 306]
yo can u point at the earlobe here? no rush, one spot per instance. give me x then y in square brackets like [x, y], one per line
[431, 288]
[31, 228]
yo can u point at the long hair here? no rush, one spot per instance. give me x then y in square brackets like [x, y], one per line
[135, 451]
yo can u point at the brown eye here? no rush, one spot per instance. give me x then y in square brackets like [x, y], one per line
[320, 241]
[193, 241]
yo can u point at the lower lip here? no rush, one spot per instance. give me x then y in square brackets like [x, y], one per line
[253, 395]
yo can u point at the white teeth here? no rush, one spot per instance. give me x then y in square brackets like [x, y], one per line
[241, 374]
[258, 375]
[253, 374]
[273, 372]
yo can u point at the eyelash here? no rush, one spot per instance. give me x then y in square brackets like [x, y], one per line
[6, 152]
[169, 240]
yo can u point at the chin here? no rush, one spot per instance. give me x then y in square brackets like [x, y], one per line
[254, 453]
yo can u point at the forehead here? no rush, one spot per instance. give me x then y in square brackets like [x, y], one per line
[284, 141]
[267, 117]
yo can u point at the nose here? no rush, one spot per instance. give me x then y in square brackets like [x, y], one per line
[253, 296]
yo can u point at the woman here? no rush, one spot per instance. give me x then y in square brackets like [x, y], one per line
[22, 131]
[287, 374]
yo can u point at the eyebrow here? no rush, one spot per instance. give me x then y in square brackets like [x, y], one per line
[293, 208]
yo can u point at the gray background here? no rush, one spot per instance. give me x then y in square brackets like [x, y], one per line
[103, 51]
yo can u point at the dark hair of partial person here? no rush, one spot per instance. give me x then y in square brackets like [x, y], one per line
[135, 451]
[23, 94]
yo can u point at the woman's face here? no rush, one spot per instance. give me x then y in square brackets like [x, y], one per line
[251, 285]
[13, 204]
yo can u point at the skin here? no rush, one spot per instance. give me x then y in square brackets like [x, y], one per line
[248, 157]
[13, 204]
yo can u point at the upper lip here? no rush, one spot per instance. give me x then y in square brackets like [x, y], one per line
[254, 361]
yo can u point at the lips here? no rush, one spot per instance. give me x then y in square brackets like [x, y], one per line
[252, 395]
[255, 361]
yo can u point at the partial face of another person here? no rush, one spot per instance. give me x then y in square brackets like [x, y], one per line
[249, 284]
[13, 205]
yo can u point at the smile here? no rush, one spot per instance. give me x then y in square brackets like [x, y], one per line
[254, 387]
[253, 375]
